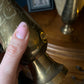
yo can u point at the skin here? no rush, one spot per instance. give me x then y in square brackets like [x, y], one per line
[9, 67]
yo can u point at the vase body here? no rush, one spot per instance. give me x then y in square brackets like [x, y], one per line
[60, 4]
[10, 17]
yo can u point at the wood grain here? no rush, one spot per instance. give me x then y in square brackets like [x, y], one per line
[51, 23]
[64, 49]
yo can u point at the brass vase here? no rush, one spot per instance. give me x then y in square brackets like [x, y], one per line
[68, 10]
[45, 70]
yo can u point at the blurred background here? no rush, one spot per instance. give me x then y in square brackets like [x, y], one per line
[21, 3]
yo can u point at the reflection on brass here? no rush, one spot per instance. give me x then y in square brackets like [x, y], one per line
[67, 29]
[46, 70]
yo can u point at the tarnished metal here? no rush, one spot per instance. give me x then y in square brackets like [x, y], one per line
[47, 71]
[60, 4]
[10, 17]
[68, 16]
[69, 11]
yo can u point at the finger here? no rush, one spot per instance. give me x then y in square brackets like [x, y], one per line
[15, 49]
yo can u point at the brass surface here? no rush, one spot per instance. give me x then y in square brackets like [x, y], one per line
[10, 17]
[45, 71]
[60, 4]
[68, 16]
[69, 11]
[67, 29]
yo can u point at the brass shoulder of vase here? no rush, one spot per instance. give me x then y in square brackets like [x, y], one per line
[10, 16]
